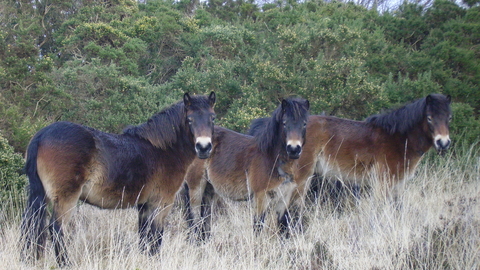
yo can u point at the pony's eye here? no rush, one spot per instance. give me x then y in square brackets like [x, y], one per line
[450, 118]
[190, 120]
[213, 119]
[304, 124]
[284, 123]
[429, 119]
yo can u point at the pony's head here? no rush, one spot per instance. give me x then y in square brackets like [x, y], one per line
[293, 119]
[200, 118]
[437, 119]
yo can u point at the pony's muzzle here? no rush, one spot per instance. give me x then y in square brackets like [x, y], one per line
[294, 151]
[442, 145]
[203, 147]
[442, 142]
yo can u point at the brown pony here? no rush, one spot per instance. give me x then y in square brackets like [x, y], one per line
[143, 167]
[242, 166]
[381, 151]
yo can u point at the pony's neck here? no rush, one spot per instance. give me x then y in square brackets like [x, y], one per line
[184, 142]
[418, 143]
[179, 142]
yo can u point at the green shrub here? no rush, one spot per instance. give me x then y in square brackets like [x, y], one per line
[465, 128]
[244, 109]
[20, 126]
[12, 181]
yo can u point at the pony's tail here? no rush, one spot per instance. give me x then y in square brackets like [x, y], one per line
[33, 233]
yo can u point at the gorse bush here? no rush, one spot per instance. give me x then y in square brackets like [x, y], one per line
[12, 182]
[110, 65]
[103, 98]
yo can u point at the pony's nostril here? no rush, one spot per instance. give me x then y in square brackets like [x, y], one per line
[446, 144]
[294, 150]
[203, 148]
[443, 144]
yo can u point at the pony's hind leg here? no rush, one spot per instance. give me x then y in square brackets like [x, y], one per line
[61, 214]
[63, 183]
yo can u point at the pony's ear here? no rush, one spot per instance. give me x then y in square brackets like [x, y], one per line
[429, 99]
[307, 104]
[187, 100]
[284, 105]
[211, 99]
[449, 99]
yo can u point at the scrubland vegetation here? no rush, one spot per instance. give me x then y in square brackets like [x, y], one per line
[436, 227]
[109, 64]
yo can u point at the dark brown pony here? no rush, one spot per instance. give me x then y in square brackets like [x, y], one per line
[144, 167]
[242, 166]
[382, 151]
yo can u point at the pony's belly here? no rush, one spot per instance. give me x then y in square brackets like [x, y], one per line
[233, 190]
[93, 194]
[98, 193]
[351, 174]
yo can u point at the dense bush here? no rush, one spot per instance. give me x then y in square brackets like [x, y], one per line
[108, 65]
[112, 65]
[11, 165]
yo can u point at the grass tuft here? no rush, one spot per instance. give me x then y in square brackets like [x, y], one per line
[435, 227]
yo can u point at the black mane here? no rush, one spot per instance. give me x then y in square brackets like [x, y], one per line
[257, 125]
[402, 120]
[165, 127]
[267, 130]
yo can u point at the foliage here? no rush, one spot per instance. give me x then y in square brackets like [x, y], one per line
[109, 64]
[107, 100]
[464, 124]
[11, 165]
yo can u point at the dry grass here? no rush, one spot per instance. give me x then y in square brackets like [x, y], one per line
[437, 227]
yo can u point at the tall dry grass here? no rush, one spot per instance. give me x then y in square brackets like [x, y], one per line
[436, 227]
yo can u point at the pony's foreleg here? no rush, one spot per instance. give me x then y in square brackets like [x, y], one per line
[298, 204]
[383, 181]
[391, 191]
[197, 199]
[285, 213]
[290, 216]
[150, 225]
[206, 211]
[187, 209]
[261, 204]
[149, 231]
[143, 213]
[198, 206]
